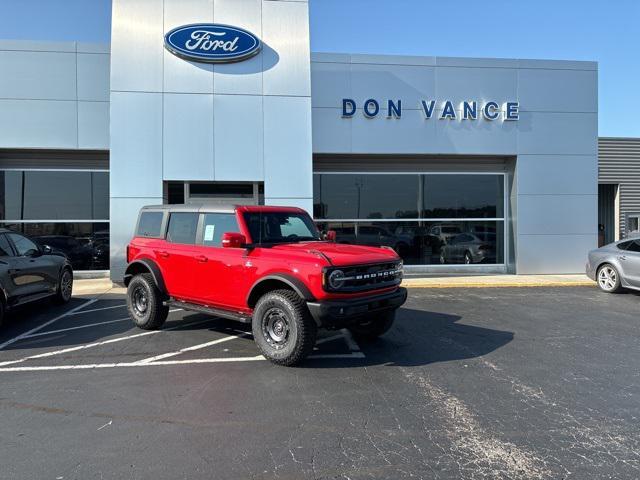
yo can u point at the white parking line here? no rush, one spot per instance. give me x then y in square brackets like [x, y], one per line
[190, 349]
[37, 329]
[97, 344]
[132, 364]
[97, 309]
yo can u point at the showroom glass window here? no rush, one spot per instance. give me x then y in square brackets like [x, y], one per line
[67, 210]
[428, 218]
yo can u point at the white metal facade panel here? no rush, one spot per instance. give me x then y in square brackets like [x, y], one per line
[136, 144]
[242, 77]
[38, 75]
[93, 76]
[557, 214]
[285, 30]
[38, 124]
[558, 90]
[93, 125]
[542, 254]
[287, 133]
[187, 140]
[557, 174]
[238, 132]
[137, 47]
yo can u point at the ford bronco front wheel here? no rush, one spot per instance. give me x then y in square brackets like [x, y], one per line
[144, 303]
[283, 328]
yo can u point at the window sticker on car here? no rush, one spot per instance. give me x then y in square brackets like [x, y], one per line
[208, 233]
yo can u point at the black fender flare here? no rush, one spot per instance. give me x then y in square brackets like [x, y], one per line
[149, 265]
[294, 283]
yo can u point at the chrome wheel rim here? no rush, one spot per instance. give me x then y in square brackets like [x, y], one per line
[467, 259]
[140, 300]
[607, 278]
[66, 285]
[275, 328]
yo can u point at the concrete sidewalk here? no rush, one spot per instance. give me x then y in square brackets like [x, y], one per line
[99, 286]
[488, 281]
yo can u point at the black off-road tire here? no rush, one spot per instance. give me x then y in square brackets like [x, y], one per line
[145, 303]
[65, 287]
[273, 310]
[373, 326]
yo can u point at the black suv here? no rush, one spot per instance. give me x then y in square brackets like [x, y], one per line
[29, 272]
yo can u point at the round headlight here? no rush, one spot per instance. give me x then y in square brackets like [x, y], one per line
[336, 279]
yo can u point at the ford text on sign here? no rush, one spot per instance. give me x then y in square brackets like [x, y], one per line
[211, 43]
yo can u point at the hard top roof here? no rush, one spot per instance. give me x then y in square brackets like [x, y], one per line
[212, 208]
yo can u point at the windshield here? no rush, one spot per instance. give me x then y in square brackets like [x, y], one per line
[280, 227]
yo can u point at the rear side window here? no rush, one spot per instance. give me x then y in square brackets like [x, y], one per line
[5, 248]
[182, 228]
[150, 224]
[634, 246]
[624, 245]
[215, 224]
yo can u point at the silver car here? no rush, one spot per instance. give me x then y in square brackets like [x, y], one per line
[616, 266]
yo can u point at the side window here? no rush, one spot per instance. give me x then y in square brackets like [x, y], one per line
[215, 224]
[5, 248]
[624, 245]
[295, 226]
[23, 244]
[182, 228]
[150, 224]
[634, 246]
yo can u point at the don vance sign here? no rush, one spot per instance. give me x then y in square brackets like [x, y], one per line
[444, 110]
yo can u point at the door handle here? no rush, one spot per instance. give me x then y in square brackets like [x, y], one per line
[201, 259]
[163, 254]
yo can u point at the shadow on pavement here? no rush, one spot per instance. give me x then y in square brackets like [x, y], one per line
[418, 337]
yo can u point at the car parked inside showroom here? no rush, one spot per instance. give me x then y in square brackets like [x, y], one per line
[30, 272]
[470, 248]
[616, 266]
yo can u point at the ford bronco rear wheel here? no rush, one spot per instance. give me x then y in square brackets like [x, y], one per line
[373, 326]
[283, 328]
[144, 303]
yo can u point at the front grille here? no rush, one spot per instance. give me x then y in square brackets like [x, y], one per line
[370, 277]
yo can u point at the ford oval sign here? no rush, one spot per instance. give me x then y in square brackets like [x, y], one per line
[211, 43]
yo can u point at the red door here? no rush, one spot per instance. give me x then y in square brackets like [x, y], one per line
[177, 255]
[223, 274]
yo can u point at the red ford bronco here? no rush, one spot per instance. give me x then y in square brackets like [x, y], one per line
[267, 266]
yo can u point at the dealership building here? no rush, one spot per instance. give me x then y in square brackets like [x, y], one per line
[460, 164]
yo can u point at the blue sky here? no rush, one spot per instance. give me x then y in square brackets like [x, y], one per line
[606, 31]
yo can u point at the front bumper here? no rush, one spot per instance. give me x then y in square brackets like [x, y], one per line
[339, 313]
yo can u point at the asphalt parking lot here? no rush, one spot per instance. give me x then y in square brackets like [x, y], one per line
[499, 383]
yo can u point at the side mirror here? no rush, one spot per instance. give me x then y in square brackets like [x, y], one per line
[46, 249]
[32, 253]
[331, 236]
[233, 240]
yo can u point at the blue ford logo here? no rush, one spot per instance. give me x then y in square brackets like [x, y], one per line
[211, 43]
